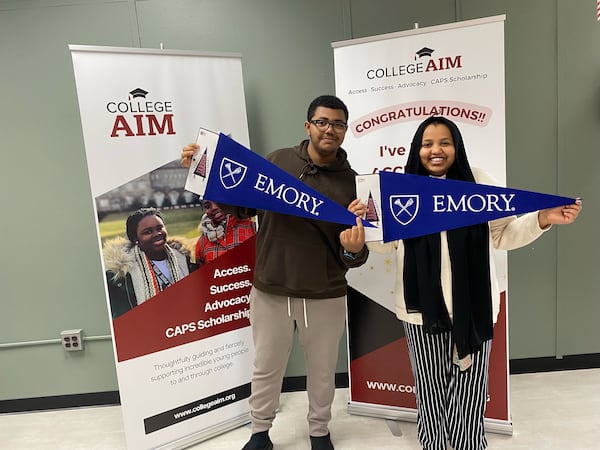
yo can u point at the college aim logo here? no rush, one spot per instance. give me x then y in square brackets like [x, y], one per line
[231, 173]
[404, 208]
[139, 116]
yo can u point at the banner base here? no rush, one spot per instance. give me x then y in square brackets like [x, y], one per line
[410, 415]
[498, 426]
[209, 433]
[382, 411]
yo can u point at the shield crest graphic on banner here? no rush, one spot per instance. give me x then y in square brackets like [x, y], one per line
[231, 173]
[404, 208]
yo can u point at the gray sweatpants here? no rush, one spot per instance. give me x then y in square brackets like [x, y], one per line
[320, 324]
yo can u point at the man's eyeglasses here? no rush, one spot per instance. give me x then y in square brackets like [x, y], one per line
[323, 124]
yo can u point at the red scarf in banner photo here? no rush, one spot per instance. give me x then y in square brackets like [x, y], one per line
[211, 300]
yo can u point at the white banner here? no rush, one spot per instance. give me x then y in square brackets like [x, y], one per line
[183, 354]
[391, 83]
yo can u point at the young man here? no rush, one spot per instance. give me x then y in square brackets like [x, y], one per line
[300, 276]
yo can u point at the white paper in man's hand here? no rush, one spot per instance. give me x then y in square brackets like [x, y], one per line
[202, 160]
[367, 189]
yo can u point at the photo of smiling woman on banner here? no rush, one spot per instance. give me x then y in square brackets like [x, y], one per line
[145, 264]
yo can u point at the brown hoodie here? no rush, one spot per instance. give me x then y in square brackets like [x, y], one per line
[299, 257]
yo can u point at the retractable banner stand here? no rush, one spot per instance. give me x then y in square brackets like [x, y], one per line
[183, 352]
[390, 84]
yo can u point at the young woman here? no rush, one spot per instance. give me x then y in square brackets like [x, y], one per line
[138, 268]
[448, 296]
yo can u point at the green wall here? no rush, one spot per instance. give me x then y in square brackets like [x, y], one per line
[51, 274]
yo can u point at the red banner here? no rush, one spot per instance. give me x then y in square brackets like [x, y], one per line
[380, 369]
[210, 301]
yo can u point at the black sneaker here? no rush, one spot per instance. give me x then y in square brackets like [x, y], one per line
[259, 441]
[321, 442]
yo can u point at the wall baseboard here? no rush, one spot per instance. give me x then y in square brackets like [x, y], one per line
[551, 363]
[290, 384]
[60, 402]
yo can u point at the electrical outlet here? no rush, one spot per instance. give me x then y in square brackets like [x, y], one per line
[71, 340]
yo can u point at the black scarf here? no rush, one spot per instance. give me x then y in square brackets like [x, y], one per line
[469, 258]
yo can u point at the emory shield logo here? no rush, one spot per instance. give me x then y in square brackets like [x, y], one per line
[231, 173]
[404, 208]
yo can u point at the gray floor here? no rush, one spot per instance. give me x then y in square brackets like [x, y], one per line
[551, 411]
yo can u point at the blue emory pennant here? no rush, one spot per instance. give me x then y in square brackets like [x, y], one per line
[416, 205]
[240, 177]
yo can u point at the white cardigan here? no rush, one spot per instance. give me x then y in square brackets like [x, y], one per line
[506, 233]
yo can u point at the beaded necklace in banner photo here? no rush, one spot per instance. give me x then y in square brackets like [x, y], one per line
[154, 280]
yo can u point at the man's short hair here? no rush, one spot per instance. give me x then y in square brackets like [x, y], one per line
[326, 101]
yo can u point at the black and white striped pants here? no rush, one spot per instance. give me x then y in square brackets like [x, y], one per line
[450, 403]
